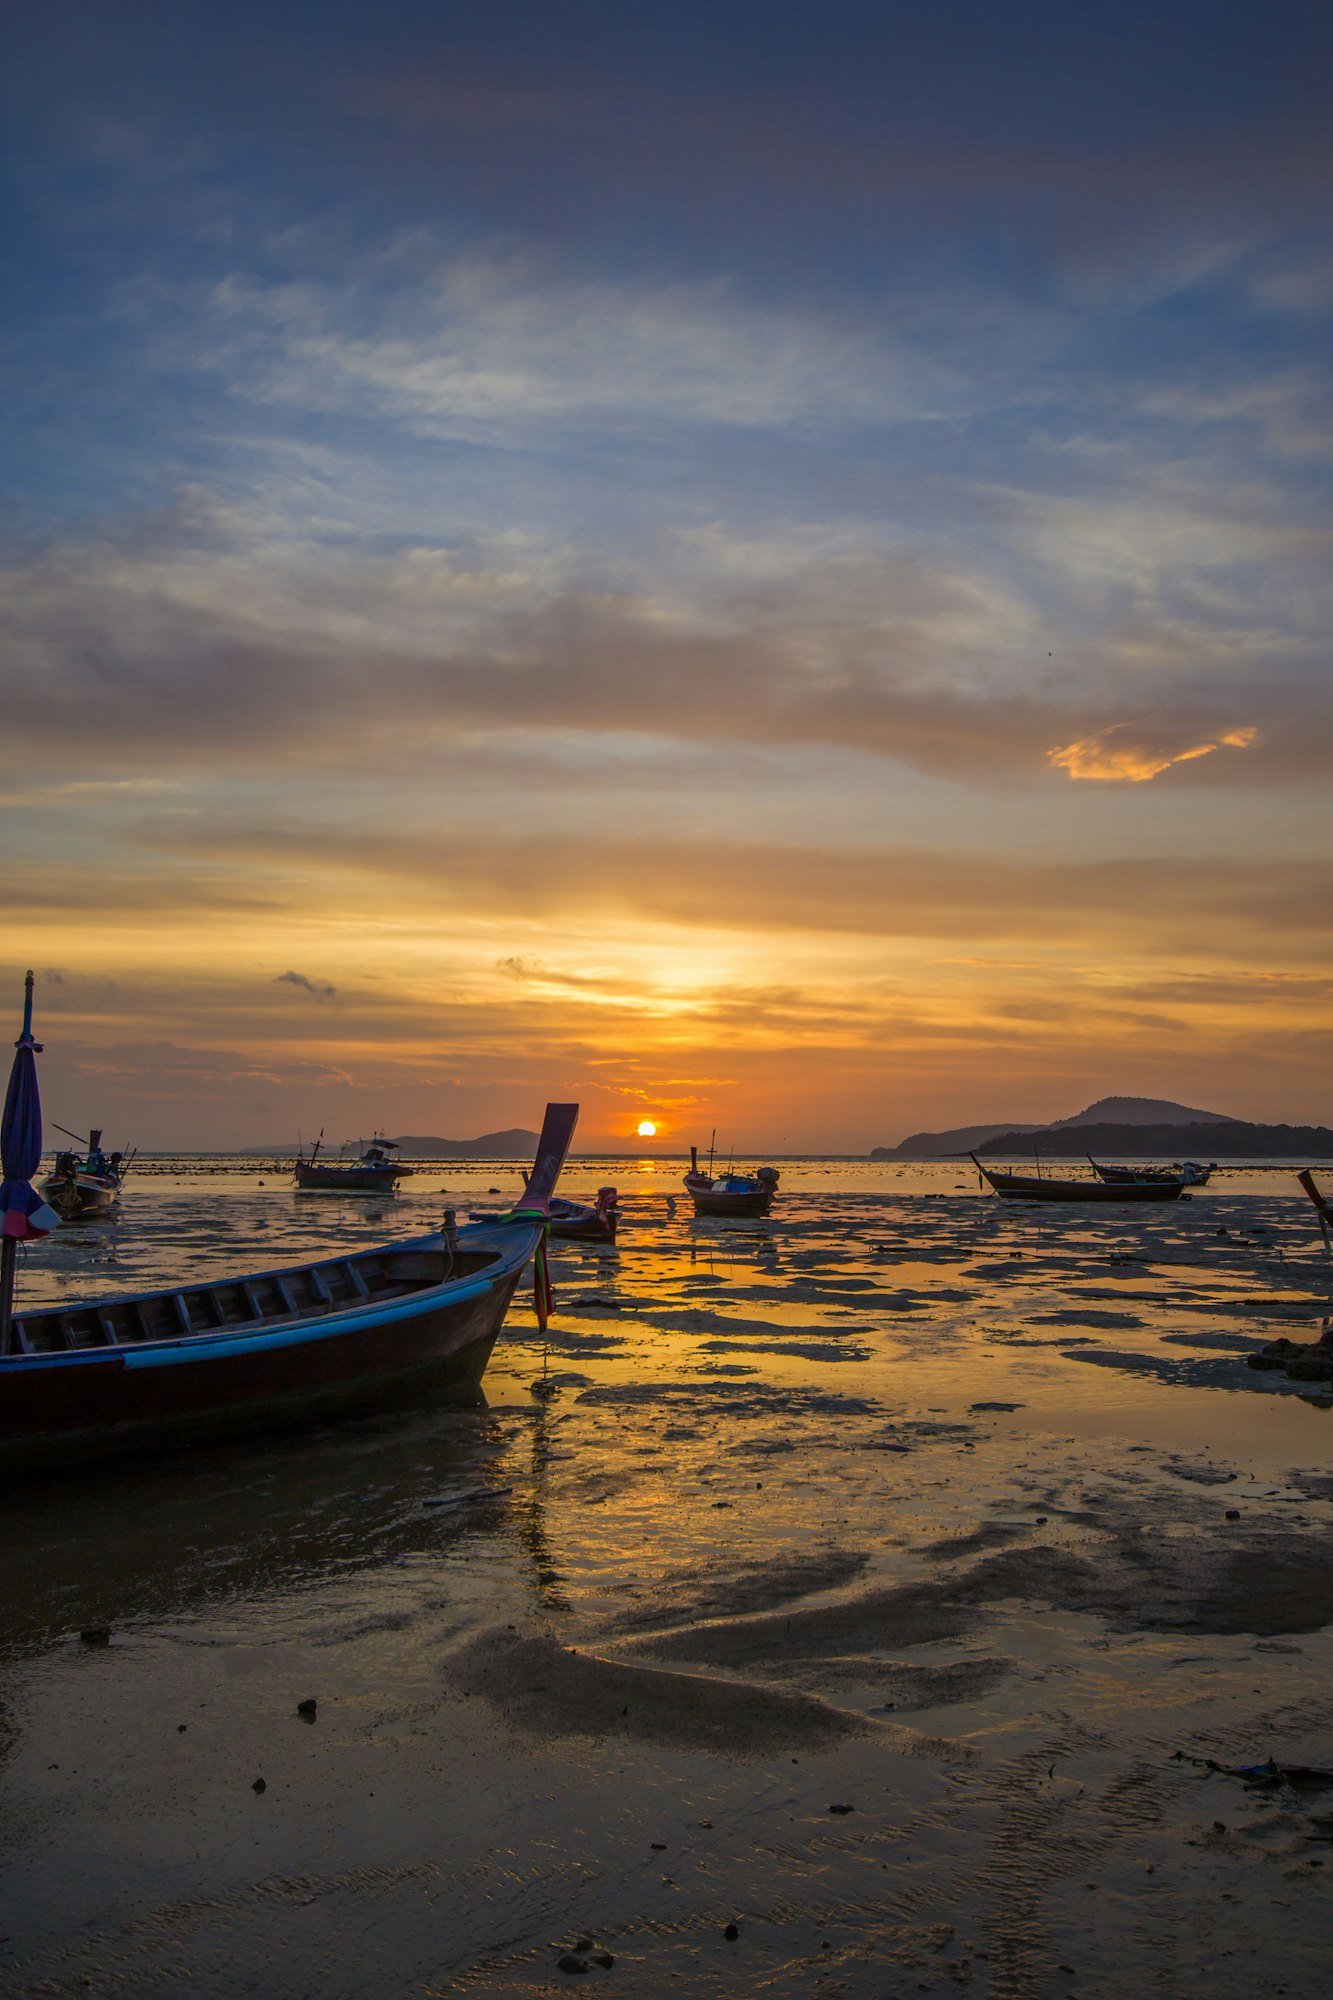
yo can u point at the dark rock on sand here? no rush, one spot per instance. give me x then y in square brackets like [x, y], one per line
[308, 1709]
[1304, 1361]
[567, 1962]
[96, 1635]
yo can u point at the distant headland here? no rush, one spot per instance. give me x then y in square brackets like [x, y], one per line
[1152, 1126]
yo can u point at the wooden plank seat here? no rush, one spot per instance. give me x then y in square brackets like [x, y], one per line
[307, 1291]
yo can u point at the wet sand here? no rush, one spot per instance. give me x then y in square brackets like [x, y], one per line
[879, 1582]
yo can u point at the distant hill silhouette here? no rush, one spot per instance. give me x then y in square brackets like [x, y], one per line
[1106, 1111]
[515, 1144]
[1140, 1111]
[1207, 1139]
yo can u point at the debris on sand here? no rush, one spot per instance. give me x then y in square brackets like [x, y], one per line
[1267, 1776]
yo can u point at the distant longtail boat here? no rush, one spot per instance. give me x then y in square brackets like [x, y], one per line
[1046, 1187]
[374, 1171]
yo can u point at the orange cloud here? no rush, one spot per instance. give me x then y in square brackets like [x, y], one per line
[1134, 758]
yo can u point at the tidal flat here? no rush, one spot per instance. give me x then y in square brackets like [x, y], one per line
[869, 1602]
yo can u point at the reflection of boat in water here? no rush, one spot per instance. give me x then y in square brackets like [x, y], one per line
[84, 1183]
[730, 1193]
[1045, 1187]
[282, 1347]
[374, 1171]
[575, 1221]
[1189, 1173]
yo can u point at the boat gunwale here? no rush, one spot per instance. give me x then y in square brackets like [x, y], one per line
[279, 1330]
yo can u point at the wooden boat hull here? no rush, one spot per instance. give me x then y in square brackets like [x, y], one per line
[61, 1408]
[106, 1377]
[82, 1194]
[717, 1201]
[1031, 1187]
[316, 1179]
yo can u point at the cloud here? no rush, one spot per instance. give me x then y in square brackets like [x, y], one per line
[319, 992]
[487, 346]
[709, 881]
[165, 1070]
[1128, 753]
[231, 648]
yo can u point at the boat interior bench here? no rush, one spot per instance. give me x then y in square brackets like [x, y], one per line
[237, 1304]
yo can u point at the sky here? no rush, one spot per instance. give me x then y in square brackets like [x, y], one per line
[757, 566]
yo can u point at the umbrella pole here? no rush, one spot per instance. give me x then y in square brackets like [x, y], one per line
[9, 1244]
[8, 1256]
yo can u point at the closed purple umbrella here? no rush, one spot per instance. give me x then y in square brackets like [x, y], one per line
[23, 1213]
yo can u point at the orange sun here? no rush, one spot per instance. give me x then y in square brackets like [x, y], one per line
[647, 1129]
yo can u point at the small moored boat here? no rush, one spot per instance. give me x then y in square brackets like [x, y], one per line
[1045, 1187]
[84, 1183]
[1189, 1173]
[374, 1171]
[729, 1193]
[155, 1369]
[574, 1221]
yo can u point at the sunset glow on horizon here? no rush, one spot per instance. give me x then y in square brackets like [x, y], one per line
[538, 565]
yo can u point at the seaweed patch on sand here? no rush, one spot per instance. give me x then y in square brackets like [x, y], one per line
[912, 1614]
[1273, 1581]
[687, 1595]
[551, 1689]
[901, 1684]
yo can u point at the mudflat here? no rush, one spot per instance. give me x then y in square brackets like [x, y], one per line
[911, 1593]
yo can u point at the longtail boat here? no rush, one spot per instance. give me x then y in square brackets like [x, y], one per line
[574, 1221]
[281, 1348]
[374, 1171]
[730, 1194]
[1045, 1187]
[86, 1183]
